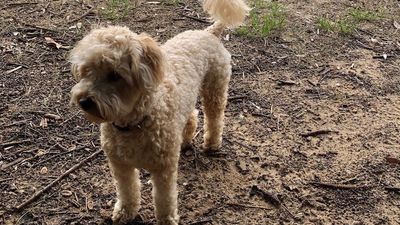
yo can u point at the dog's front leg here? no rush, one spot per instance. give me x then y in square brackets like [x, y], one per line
[128, 192]
[165, 197]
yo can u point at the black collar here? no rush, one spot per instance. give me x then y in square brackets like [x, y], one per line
[131, 126]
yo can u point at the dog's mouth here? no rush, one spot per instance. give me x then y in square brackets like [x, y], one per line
[90, 109]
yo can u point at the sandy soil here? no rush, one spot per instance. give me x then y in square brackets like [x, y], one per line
[312, 122]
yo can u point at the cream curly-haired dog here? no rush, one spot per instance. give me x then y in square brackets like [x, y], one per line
[144, 96]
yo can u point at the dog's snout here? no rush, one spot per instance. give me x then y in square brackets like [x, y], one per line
[86, 103]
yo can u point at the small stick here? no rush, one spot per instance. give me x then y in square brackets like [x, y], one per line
[260, 115]
[34, 26]
[7, 179]
[247, 206]
[16, 123]
[241, 144]
[206, 220]
[340, 186]
[318, 132]
[18, 64]
[21, 3]
[38, 194]
[237, 97]
[13, 70]
[394, 189]
[3, 167]
[82, 16]
[197, 133]
[70, 118]
[271, 198]
[285, 82]
[11, 143]
[52, 116]
[59, 154]
[197, 19]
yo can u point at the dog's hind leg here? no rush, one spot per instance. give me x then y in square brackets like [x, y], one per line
[214, 94]
[190, 129]
[128, 192]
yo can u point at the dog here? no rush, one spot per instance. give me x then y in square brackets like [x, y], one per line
[143, 95]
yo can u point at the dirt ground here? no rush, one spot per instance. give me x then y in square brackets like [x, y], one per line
[312, 123]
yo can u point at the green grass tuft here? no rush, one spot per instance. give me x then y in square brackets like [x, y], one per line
[349, 22]
[363, 15]
[326, 24]
[117, 9]
[264, 18]
[345, 26]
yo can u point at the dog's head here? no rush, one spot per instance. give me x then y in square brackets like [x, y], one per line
[115, 68]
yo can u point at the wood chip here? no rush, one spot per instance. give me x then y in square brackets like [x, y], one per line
[392, 160]
[52, 116]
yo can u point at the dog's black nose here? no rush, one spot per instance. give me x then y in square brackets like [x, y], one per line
[86, 103]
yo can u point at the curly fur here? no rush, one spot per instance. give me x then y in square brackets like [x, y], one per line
[129, 80]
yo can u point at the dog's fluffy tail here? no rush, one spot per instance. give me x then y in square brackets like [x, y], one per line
[226, 13]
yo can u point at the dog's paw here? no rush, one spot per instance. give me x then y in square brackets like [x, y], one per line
[123, 214]
[187, 146]
[212, 144]
[168, 221]
[211, 147]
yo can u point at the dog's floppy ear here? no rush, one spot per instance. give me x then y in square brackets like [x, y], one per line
[151, 65]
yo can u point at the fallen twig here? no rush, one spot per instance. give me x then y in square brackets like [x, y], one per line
[70, 118]
[82, 16]
[237, 97]
[3, 167]
[392, 160]
[271, 198]
[54, 156]
[21, 3]
[205, 220]
[13, 70]
[11, 143]
[340, 186]
[241, 144]
[393, 189]
[34, 26]
[197, 19]
[260, 115]
[384, 56]
[16, 123]
[18, 64]
[318, 132]
[52, 116]
[247, 206]
[197, 133]
[285, 82]
[39, 193]
[6, 179]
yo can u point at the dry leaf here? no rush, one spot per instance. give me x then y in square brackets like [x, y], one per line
[110, 203]
[396, 24]
[227, 37]
[89, 204]
[44, 170]
[52, 116]
[41, 152]
[43, 123]
[66, 193]
[52, 42]
[392, 160]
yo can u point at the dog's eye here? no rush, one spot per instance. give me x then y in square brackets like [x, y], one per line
[113, 76]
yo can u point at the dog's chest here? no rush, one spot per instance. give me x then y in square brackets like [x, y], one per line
[139, 148]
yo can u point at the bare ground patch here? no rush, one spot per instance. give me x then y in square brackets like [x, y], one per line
[284, 87]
